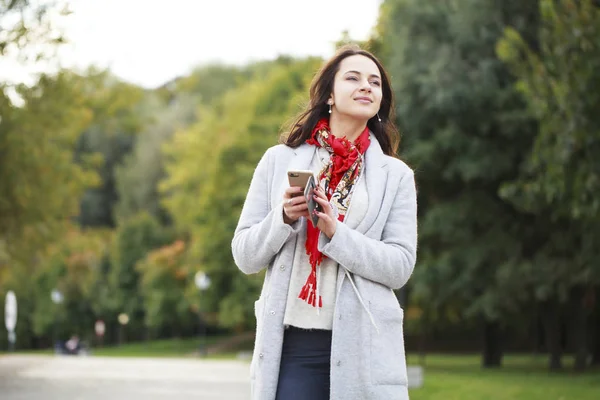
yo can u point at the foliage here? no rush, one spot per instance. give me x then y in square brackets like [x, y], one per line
[138, 177]
[118, 115]
[205, 193]
[41, 184]
[72, 267]
[464, 134]
[28, 29]
[164, 278]
[563, 172]
[133, 240]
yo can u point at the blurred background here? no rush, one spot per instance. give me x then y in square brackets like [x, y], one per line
[129, 132]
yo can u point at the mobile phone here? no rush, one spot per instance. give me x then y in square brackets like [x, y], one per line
[299, 178]
[310, 201]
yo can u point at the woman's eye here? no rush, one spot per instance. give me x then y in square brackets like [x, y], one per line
[376, 83]
[352, 78]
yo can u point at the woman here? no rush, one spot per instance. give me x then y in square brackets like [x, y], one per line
[329, 325]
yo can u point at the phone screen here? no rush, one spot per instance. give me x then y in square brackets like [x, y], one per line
[310, 201]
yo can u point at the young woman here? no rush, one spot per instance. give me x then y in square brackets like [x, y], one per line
[329, 325]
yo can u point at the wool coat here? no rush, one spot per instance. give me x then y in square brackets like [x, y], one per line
[367, 351]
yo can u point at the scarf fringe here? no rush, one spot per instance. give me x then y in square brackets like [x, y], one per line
[315, 257]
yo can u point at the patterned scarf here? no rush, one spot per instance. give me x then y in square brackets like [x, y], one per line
[337, 178]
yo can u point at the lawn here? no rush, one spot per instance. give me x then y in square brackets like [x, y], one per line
[187, 347]
[522, 377]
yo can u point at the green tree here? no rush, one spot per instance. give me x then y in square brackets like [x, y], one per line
[205, 194]
[138, 177]
[133, 240]
[118, 115]
[163, 285]
[465, 134]
[561, 179]
[40, 182]
[69, 267]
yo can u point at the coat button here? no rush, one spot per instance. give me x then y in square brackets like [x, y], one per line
[339, 363]
[260, 355]
[272, 312]
[282, 267]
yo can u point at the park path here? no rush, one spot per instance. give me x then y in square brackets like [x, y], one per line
[34, 377]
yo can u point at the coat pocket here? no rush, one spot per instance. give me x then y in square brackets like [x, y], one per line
[388, 358]
[259, 306]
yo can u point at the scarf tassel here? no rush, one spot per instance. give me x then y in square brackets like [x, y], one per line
[309, 290]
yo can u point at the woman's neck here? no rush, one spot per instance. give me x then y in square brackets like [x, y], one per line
[350, 128]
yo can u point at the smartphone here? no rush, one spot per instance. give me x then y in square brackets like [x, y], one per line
[299, 178]
[310, 201]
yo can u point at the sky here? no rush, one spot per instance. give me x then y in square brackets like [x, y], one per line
[149, 42]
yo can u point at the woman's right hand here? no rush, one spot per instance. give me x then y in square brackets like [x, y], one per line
[294, 204]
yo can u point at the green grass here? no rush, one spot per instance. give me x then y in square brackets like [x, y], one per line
[522, 377]
[155, 348]
[161, 348]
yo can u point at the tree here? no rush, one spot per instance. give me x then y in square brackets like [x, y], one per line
[209, 167]
[118, 115]
[163, 284]
[465, 134]
[71, 267]
[28, 30]
[561, 179]
[40, 183]
[138, 177]
[133, 240]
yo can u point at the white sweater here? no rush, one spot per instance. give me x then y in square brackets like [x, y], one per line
[297, 311]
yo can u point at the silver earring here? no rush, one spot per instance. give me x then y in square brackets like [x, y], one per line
[378, 117]
[330, 109]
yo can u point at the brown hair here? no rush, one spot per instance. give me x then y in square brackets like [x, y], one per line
[321, 88]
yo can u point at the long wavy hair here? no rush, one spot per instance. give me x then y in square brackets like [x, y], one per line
[320, 90]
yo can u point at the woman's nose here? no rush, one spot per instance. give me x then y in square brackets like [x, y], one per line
[365, 86]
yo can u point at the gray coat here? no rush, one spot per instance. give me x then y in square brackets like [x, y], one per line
[367, 350]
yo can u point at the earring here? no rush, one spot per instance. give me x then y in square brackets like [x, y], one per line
[330, 109]
[378, 117]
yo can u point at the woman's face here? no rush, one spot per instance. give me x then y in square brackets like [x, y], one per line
[357, 88]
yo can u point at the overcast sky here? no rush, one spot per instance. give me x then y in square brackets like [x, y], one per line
[149, 42]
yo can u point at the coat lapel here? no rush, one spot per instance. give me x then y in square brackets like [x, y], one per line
[301, 157]
[375, 173]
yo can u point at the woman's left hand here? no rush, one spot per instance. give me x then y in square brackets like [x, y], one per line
[327, 220]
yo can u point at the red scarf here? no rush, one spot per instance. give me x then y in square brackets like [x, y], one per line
[345, 165]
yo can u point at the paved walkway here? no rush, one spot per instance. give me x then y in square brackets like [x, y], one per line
[24, 377]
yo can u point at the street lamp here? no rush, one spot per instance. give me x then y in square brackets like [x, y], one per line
[202, 282]
[57, 298]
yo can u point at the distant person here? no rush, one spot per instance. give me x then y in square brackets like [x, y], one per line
[328, 324]
[73, 345]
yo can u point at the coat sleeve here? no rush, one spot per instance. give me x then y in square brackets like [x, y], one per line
[389, 261]
[260, 233]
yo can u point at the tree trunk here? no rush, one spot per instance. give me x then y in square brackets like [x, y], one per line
[492, 344]
[579, 327]
[596, 343]
[551, 318]
[595, 329]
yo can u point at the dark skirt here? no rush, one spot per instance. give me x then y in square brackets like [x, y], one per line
[305, 365]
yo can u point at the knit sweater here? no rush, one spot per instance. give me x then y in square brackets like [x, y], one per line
[298, 312]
